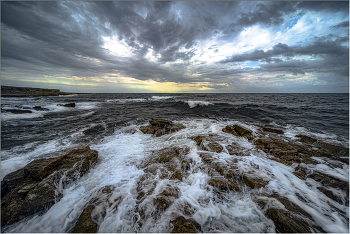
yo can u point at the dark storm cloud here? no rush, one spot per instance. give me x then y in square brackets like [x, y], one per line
[69, 37]
[328, 48]
[272, 13]
[331, 6]
[344, 24]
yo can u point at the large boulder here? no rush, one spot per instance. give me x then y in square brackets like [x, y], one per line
[159, 127]
[32, 188]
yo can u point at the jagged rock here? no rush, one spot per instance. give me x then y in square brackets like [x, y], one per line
[229, 173]
[85, 224]
[328, 193]
[182, 225]
[286, 152]
[278, 131]
[238, 130]
[286, 222]
[39, 108]
[253, 182]
[96, 210]
[177, 175]
[209, 143]
[161, 123]
[33, 188]
[159, 127]
[218, 182]
[328, 180]
[335, 152]
[166, 198]
[289, 218]
[300, 172]
[235, 149]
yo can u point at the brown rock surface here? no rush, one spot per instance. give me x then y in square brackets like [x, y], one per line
[159, 127]
[32, 188]
[273, 130]
[182, 225]
[238, 130]
[291, 219]
[85, 224]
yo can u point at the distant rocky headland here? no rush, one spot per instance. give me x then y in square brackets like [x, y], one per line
[11, 91]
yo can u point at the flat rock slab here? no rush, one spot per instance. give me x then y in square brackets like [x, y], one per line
[238, 130]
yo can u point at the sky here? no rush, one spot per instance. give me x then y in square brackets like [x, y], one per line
[180, 46]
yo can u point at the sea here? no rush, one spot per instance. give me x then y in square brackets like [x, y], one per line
[109, 123]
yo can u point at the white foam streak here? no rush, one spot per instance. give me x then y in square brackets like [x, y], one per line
[127, 100]
[193, 104]
[162, 97]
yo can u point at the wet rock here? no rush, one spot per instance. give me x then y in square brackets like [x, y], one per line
[233, 184]
[161, 123]
[238, 130]
[13, 111]
[167, 154]
[148, 129]
[33, 188]
[166, 198]
[333, 151]
[182, 225]
[209, 143]
[39, 198]
[328, 180]
[177, 175]
[230, 129]
[67, 105]
[328, 193]
[235, 149]
[4, 188]
[286, 222]
[300, 172]
[306, 139]
[224, 176]
[278, 131]
[85, 224]
[253, 182]
[159, 127]
[218, 183]
[39, 108]
[286, 152]
[289, 217]
[215, 147]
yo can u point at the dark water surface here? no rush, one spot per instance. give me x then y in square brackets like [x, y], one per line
[317, 113]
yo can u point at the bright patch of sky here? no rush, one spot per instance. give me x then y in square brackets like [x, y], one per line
[117, 47]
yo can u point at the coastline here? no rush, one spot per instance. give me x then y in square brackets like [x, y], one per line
[12, 91]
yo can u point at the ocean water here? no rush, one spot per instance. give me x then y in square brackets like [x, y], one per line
[109, 123]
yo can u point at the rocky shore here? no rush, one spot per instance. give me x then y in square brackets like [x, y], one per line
[37, 186]
[11, 91]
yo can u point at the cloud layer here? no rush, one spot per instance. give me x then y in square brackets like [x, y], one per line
[176, 46]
